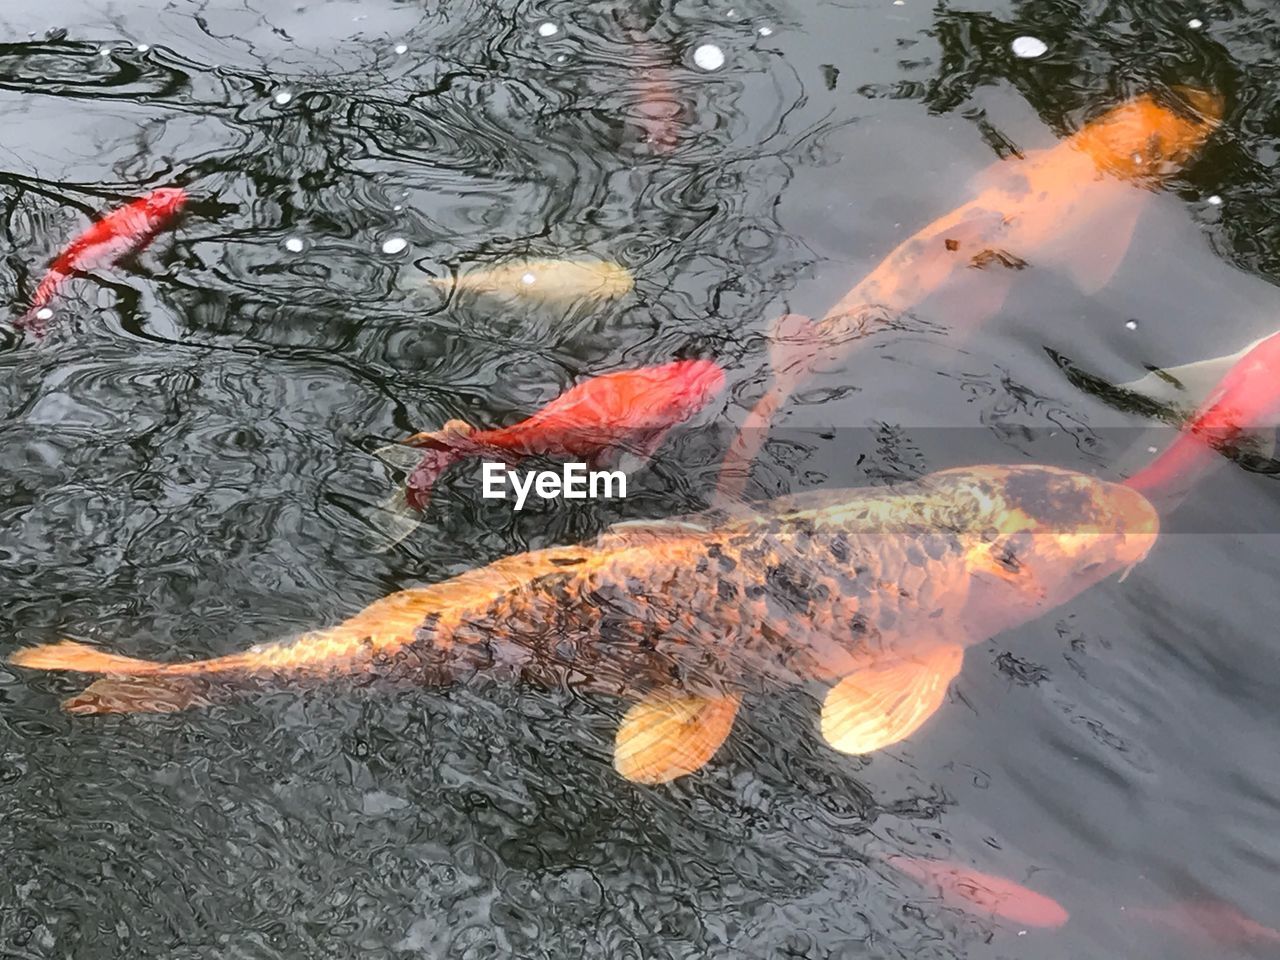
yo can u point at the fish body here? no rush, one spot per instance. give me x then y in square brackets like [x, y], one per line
[1247, 396]
[628, 411]
[1211, 922]
[995, 897]
[105, 242]
[545, 280]
[1074, 206]
[877, 590]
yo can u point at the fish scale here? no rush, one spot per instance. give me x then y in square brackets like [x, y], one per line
[879, 589]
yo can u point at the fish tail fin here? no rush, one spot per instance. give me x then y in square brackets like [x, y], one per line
[145, 687]
[393, 520]
[154, 694]
[82, 658]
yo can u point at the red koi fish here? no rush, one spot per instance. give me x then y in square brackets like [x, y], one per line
[1249, 395]
[629, 411]
[1073, 206]
[120, 232]
[1211, 921]
[995, 897]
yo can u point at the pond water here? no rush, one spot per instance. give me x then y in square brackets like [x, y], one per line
[186, 471]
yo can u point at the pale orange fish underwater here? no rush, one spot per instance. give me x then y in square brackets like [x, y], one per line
[877, 591]
[1073, 207]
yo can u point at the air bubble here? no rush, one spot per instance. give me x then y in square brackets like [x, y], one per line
[1131, 324]
[528, 279]
[709, 57]
[395, 245]
[294, 245]
[44, 313]
[765, 31]
[282, 97]
[402, 48]
[1029, 47]
[1195, 23]
[1214, 201]
[547, 29]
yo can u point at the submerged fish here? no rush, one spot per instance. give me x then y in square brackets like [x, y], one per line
[629, 411]
[1248, 396]
[1074, 206]
[1212, 921]
[120, 232]
[878, 590]
[991, 896]
[547, 281]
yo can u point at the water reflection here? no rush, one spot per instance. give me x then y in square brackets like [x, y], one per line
[184, 460]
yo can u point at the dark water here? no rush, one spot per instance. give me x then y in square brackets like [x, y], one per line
[185, 472]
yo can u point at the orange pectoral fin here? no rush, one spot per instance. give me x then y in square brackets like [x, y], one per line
[881, 705]
[669, 735]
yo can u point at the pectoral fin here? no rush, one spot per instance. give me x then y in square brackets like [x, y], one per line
[669, 735]
[1091, 256]
[1187, 385]
[883, 704]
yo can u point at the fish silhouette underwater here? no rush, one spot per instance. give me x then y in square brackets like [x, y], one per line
[1072, 207]
[876, 590]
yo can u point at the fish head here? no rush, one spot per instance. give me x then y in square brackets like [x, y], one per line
[166, 201]
[1042, 535]
[1149, 139]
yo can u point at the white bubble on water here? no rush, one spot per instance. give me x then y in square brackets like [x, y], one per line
[398, 207]
[282, 97]
[528, 279]
[561, 57]
[395, 245]
[765, 31]
[1152, 449]
[547, 29]
[142, 47]
[104, 51]
[1029, 47]
[402, 48]
[1131, 324]
[1214, 201]
[294, 244]
[1195, 23]
[899, 3]
[709, 57]
[44, 313]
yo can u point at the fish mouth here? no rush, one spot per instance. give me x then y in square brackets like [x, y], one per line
[1137, 522]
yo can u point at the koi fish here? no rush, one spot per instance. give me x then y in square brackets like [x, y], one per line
[120, 232]
[877, 590]
[629, 411]
[995, 897]
[1212, 921]
[1249, 395]
[545, 281]
[658, 109]
[1074, 206]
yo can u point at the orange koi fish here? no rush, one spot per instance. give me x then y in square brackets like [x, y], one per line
[1248, 396]
[990, 896]
[120, 232]
[876, 590]
[1073, 206]
[629, 411]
